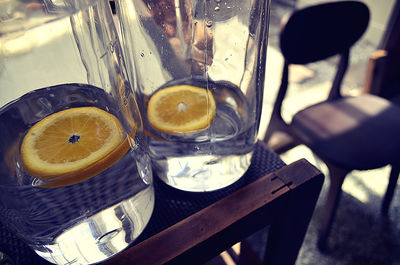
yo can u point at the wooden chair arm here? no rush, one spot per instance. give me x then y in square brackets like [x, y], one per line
[210, 231]
[375, 69]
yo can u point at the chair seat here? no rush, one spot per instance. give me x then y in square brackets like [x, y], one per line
[354, 132]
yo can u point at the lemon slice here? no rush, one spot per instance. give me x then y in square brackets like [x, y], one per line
[182, 109]
[73, 145]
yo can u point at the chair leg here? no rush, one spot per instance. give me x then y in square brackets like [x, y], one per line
[276, 123]
[394, 175]
[337, 176]
[273, 126]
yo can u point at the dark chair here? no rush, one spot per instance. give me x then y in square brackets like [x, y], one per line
[347, 133]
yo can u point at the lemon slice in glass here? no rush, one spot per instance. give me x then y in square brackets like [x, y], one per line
[182, 109]
[73, 145]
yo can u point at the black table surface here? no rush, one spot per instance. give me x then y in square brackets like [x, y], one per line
[171, 206]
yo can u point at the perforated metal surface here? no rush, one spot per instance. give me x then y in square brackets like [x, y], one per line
[171, 206]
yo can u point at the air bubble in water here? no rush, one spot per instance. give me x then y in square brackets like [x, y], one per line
[217, 8]
[209, 23]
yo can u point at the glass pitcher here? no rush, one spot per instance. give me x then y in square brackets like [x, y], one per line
[198, 68]
[75, 174]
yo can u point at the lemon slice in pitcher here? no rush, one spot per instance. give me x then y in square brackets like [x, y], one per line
[182, 109]
[73, 145]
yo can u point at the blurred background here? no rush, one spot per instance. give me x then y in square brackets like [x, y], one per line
[360, 236]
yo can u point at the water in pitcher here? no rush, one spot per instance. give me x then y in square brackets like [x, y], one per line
[192, 47]
[212, 158]
[84, 222]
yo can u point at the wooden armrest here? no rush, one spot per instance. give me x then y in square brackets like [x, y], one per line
[229, 220]
[376, 66]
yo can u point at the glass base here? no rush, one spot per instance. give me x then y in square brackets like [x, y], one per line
[203, 172]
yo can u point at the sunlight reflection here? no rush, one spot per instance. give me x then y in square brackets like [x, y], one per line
[364, 184]
[33, 38]
[356, 190]
[227, 258]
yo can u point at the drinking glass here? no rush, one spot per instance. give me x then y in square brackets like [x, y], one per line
[213, 53]
[63, 80]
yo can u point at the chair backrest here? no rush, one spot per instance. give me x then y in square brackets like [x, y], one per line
[317, 32]
[320, 31]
